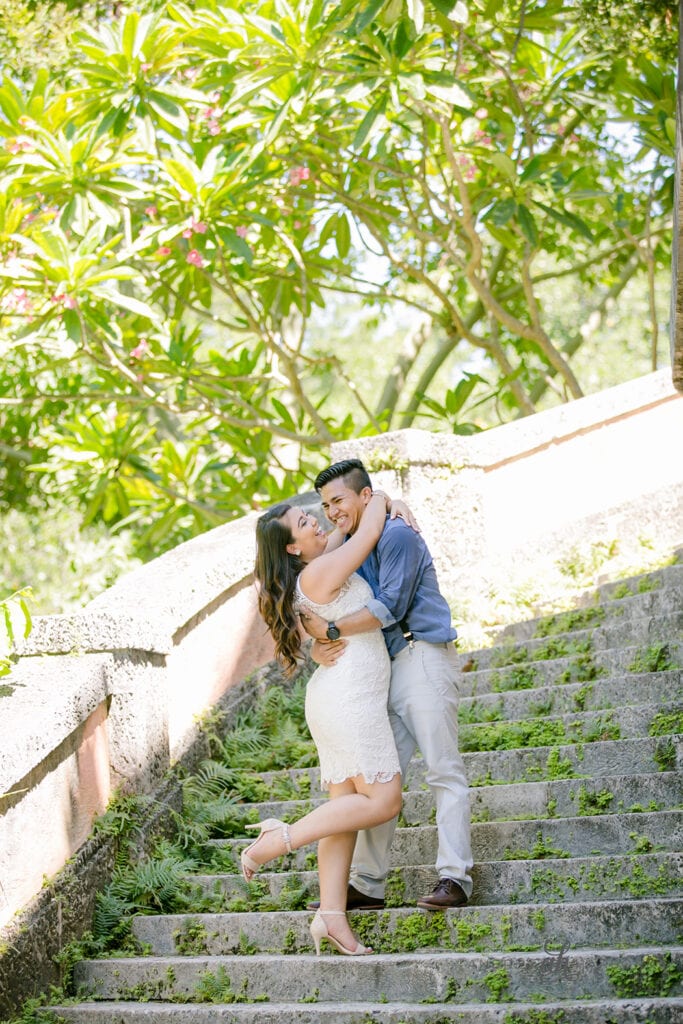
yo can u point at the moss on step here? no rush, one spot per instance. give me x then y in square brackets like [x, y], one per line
[654, 977]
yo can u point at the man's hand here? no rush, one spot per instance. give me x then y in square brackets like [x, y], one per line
[328, 653]
[315, 625]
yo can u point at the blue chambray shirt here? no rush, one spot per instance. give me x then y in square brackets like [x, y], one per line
[403, 580]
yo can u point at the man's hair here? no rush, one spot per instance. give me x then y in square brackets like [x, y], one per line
[351, 471]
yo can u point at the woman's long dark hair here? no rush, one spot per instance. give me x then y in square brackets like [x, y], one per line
[276, 572]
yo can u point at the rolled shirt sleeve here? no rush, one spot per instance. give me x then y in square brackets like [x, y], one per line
[401, 574]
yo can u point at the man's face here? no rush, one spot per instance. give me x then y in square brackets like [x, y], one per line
[342, 506]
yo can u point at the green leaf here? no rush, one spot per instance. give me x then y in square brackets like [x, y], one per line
[233, 242]
[284, 414]
[364, 128]
[527, 223]
[181, 175]
[327, 230]
[363, 18]
[72, 323]
[128, 302]
[130, 26]
[501, 212]
[343, 235]
[456, 398]
[503, 163]
[570, 220]
[455, 10]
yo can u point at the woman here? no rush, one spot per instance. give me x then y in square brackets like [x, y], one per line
[346, 704]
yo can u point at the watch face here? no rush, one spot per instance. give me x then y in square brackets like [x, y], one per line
[333, 633]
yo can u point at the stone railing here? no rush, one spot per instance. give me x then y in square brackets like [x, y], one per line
[109, 697]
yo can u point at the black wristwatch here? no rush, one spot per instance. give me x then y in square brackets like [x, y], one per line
[333, 632]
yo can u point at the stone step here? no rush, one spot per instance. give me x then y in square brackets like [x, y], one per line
[656, 593]
[613, 632]
[574, 879]
[409, 977]
[527, 926]
[644, 756]
[593, 1011]
[589, 760]
[520, 801]
[580, 668]
[526, 840]
[665, 578]
[627, 722]
[601, 694]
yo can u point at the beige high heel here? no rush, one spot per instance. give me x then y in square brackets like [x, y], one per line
[319, 931]
[250, 866]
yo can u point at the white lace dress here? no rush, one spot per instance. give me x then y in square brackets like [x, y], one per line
[346, 704]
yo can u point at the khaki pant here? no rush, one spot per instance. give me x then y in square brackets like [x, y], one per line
[423, 710]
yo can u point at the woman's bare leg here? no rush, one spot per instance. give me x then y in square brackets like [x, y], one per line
[334, 863]
[359, 805]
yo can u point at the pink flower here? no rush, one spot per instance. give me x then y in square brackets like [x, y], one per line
[241, 231]
[214, 128]
[299, 174]
[199, 226]
[208, 113]
[18, 301]
[297, 225]
[19, 146]
[163, 250]
[195, 258]
[151, 211]
[139, 350]
[145, 68]
[68, 301]
[187, 233]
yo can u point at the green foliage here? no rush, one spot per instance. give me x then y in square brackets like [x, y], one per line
[539, 851]
[14, 616]
[191, 938]
[594, 803]
[216, 987]
[566, 622]
[665, 756]
[655, 658]
[75, 563]
[653, 977]
[666, 722]
[184, 188]
[540, 733]
[536, 1017]
[497, 983]
[521, 678]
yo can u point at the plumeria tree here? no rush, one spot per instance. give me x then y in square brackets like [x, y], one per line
[187, 194]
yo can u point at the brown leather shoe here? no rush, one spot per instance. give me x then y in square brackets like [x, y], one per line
[447, 893]
[355, 900]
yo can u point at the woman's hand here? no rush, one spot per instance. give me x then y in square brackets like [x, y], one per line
[399, 509]
[327, 653]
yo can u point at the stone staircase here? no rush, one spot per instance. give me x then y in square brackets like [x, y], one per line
[571, 733]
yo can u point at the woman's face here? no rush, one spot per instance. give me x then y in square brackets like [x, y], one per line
[309, 539]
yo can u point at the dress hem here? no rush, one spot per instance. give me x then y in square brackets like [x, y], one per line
[369, 778]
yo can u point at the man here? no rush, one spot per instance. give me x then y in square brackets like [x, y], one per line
[423, 696]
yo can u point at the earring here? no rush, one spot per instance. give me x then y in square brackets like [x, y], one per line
[297, 553]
